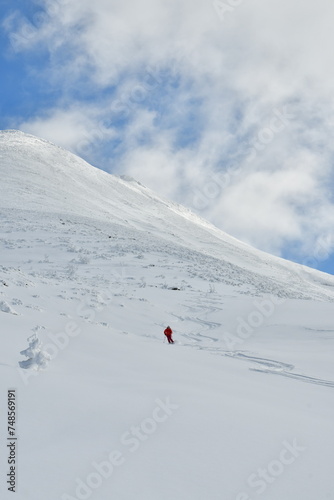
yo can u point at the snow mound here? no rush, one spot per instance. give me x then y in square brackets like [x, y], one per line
[37, 359]
[4, 307]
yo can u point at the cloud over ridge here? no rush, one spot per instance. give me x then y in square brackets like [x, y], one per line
[225, 106]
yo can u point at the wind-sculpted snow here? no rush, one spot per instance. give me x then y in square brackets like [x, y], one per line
[90, 239]
[36, 358]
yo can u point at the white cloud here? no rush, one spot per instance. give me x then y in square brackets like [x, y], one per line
[75, 128]
[224, 79]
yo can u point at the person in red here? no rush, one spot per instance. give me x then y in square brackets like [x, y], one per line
[168, 332]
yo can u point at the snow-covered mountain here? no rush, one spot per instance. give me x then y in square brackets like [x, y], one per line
[93, 268]
[41, 178]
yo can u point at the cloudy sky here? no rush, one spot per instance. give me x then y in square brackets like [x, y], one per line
[224, 106]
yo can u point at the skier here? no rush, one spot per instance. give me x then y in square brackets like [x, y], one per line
[168, 332]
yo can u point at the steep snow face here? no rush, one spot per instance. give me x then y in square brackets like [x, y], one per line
[40, 177]
[60, 181]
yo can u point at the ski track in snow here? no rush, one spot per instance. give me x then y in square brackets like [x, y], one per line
[273, 367]
[269, 366]
[296, 376]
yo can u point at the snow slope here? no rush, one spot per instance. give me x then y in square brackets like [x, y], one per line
[239, 408]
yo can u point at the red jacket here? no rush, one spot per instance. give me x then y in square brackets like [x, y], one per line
[168, 332]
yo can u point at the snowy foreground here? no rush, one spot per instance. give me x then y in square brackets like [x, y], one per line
[92, 270]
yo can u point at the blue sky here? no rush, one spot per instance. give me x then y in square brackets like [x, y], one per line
[224, 106]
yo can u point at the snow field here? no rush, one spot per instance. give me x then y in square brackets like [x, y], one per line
[88, 264]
